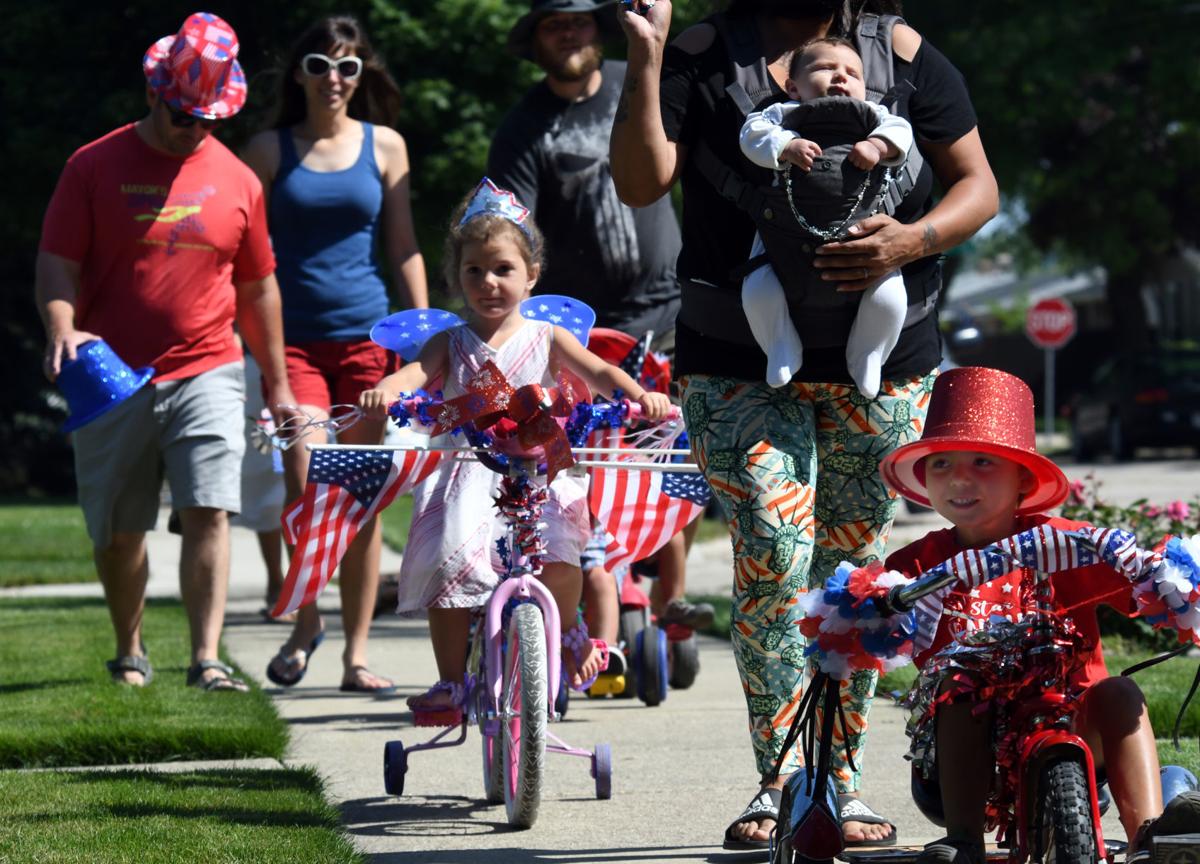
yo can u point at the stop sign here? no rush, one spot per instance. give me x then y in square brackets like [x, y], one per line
[1050, 323]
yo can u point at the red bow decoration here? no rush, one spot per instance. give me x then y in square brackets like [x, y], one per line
[525, 414]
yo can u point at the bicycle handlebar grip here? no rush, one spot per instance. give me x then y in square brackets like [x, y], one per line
[635, 411]
[894, 602]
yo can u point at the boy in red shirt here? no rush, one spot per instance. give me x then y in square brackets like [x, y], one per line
[976, 464]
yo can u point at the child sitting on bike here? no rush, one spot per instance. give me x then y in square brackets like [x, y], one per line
[976, 464]
[493, 256]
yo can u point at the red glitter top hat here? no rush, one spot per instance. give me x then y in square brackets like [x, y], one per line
[982, 410]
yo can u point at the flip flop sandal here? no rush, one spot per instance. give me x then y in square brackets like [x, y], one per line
[221, 682]
[301, 660]
[947, 851]
[764, 805]
[852, 809]
[131, 663]
[352, 686]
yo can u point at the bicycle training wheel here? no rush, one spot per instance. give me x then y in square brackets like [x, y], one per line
[524, 715]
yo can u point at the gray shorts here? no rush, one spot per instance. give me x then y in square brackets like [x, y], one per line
[189, 431]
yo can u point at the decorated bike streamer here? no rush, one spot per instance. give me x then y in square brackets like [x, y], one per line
[1166, 589]
[574, 315]
[407, 332]
[523, 421]
[844, 629]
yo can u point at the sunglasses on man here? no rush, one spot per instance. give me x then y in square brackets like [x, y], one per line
[183, 120]
[318, 65]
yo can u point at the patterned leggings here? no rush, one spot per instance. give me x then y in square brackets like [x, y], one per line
[797, 472]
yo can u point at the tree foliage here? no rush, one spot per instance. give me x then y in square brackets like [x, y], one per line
[1090, 114]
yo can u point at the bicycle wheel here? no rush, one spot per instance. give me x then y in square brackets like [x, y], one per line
[1065, 815]
[524, 715]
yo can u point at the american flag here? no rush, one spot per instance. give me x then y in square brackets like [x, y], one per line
[633, 364]
[642, 510]
[345, 488]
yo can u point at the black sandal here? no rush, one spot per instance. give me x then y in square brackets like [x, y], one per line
[764, 805]
[947, 851]
[851, 808]
[222, 681]
[131, 663]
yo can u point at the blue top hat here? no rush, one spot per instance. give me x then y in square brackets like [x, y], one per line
[96, 381]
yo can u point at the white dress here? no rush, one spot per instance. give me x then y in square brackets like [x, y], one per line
[450, 561]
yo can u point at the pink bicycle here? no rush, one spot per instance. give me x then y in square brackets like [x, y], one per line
[514, 665]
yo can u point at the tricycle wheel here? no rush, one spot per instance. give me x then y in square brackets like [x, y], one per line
[650, 659]
[632, 622]
[685, 663]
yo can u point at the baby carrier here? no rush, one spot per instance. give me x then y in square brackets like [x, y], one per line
[798, 212]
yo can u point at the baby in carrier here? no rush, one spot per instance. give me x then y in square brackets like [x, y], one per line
[828, 67]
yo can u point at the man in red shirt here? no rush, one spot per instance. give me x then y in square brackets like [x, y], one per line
[156, 241]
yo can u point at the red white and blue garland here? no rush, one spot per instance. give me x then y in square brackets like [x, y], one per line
[846, 633]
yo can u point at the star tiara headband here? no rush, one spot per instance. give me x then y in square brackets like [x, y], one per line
[490, 200]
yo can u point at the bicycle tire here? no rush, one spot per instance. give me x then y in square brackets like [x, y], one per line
[524, 715]
[1066, 827]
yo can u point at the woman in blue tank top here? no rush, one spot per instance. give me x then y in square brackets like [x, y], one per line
[337, 181]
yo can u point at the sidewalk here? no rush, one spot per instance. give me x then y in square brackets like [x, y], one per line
[681, 771]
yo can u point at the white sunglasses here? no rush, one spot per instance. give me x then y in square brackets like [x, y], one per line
[317, 65]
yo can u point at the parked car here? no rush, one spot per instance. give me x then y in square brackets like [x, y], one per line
[1145, 399]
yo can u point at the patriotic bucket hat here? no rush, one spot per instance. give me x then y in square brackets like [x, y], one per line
[983, 410]
[196, 70]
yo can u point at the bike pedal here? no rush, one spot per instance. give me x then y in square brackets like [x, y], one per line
[445, 717]
[1175, 849]
[606, 685]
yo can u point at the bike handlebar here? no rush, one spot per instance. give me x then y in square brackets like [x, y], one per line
[635, 412]
[1043, 549]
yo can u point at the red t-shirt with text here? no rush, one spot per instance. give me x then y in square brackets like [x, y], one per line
[161, 240]
[1079, 591]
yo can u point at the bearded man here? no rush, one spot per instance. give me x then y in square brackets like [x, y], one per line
[552, 151]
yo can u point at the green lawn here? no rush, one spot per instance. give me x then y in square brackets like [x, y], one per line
[396, 519]
[59, 707]
[43, 543]
[145, 818]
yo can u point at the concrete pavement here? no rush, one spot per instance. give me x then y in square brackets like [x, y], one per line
[681, 771]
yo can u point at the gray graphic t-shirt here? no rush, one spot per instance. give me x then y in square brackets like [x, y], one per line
[620, 261]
